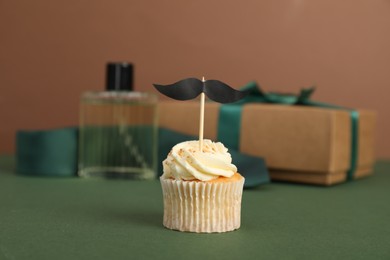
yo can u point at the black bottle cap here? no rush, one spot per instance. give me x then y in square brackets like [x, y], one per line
[119, 76]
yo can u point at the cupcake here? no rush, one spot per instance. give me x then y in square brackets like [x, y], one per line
[202, 190]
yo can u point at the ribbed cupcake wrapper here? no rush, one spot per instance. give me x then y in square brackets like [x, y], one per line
[202, 207]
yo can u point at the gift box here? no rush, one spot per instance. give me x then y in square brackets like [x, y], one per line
[320, 145]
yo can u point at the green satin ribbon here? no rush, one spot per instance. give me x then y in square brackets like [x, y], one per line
[230, 116]
[55, 153]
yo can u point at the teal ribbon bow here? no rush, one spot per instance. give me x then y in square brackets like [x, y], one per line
[230, 116]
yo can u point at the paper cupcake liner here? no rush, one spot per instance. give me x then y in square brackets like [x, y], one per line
[202, 207]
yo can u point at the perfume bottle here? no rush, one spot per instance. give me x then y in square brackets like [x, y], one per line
[118, 129]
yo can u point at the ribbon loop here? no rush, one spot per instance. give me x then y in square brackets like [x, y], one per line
[47, 153]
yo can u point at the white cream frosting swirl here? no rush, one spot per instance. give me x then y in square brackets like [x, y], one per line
[186, 162]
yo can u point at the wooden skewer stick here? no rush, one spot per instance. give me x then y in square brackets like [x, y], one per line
[201, 120]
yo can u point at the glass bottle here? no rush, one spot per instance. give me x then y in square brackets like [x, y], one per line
[118, 129]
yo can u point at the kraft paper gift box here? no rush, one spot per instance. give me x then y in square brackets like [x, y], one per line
[302, 144]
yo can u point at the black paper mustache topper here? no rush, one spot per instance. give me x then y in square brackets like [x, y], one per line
[190, 88]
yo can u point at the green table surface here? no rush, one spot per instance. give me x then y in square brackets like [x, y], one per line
[74, 218]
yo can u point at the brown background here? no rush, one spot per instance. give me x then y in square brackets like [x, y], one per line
[51, 51]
